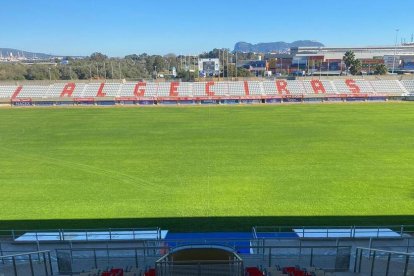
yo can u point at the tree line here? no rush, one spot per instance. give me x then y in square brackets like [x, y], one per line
[133, 67]
[136, 67]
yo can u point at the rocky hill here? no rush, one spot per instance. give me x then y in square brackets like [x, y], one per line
[274, 46]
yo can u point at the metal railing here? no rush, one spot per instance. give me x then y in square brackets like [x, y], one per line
[84, 259]
[204, 268]
[30, 263]
[82, 235]
[353, 232]
[383, 262]
[233, 266]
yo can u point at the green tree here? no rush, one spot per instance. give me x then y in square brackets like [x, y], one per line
[98, 57]
[349, 59]
[82, 72]
[186, 75]
[12, 71]
[132, 57]
[353, 65]
[356, 67]
[67, 73]
[171, 60]
[380, 69]
[243, 72]
[37, 72]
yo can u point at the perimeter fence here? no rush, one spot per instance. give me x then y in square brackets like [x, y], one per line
[376, 262]
[336, 258]
[29, 263]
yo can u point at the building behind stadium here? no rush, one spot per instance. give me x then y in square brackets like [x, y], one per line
[329, 60]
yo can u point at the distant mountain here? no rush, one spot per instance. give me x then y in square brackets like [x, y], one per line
[274, 46]
[5, 52]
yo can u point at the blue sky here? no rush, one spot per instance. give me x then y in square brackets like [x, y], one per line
[120, 27]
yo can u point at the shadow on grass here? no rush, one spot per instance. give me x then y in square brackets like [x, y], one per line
[208, 224]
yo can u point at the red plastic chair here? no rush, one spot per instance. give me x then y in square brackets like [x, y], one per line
[253, 271]
[289, 269]
[150, 272]
[117, 272]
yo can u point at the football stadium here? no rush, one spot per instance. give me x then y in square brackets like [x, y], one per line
[258, 161]
[207, 178]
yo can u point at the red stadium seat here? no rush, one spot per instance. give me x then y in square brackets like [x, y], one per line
[117, 272]
[150, 272]
[253, 271]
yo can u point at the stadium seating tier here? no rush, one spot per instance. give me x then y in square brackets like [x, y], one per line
[208, 89]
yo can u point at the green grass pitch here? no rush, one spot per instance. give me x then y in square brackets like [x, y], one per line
[207, 168]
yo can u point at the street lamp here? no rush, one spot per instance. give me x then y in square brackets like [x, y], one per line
[395, 49]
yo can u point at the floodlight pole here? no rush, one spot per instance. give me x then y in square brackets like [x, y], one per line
[224, 63]
[224, 59]
[120, 72]
[219, 65]
[228, 52]
[236, 65]
[395, 50]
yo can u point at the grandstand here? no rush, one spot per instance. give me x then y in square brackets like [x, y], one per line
[210, 254]
[298, 251]
[205, 92]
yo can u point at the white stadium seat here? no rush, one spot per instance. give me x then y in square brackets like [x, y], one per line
[216, 88]
[364, 86]
[112, 89]
[109, 89]
[199, 89]
[163, 89]
[236, 88]
[256, 88]
[269, 87]
[296, 87]
[151, 89]
[127, 89]
[34, 91]
[56, 90]
[408, 85]
[7, 91]
[185, 89]
[221, 89]
[387, 86]
[328, 86]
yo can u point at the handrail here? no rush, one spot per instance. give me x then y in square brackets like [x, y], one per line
[60, 234]
[335, 226]
[23, 254]
[254, 232]
[351, 231]
[385, 251]
[201, 262]
[238, 246]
